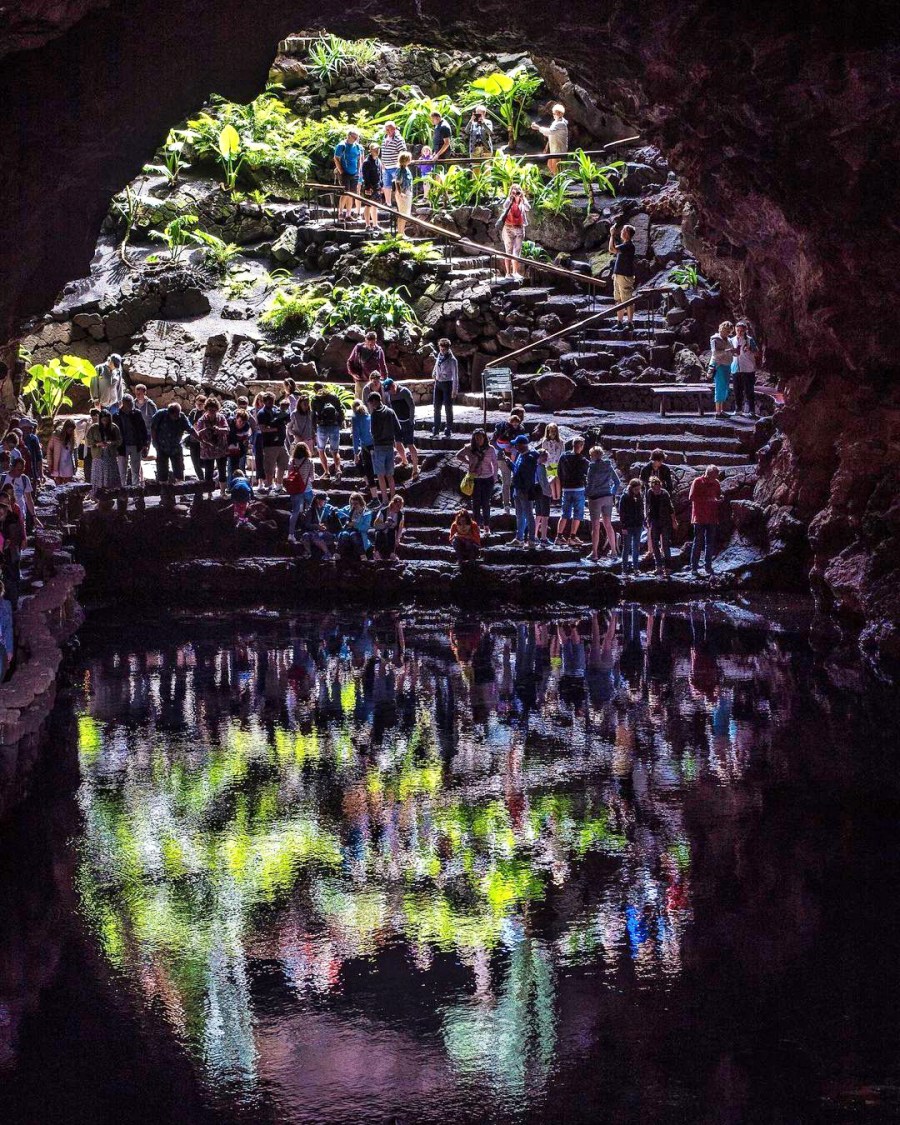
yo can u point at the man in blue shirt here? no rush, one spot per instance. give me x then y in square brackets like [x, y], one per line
[347, 159]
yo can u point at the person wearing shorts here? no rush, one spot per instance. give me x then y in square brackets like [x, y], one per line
[391, 147]
[512, 222]
[348, 157]
[385, 431]
[603, 483]
[572, 471]
[623, 269]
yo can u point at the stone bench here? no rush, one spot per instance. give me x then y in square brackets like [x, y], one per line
[699, 394]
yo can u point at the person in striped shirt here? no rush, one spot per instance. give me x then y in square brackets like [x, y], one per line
[391, 147]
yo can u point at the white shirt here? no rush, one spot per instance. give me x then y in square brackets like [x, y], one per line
[21, 487]
[391, 147]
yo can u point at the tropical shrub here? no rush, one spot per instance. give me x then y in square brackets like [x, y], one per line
[507, 97]
[177, 235]
[584, 169]
[416, 252]
[412, 115]
[329, 56]
[367, 304]
[230, 155]
[217, 253]
[533, 252]
[172, 160]
[554, 197]
[48, 385]
[294, 308]
[686, 275]
[507, 170]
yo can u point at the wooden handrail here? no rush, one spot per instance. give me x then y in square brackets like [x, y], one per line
[528, 156]
[461, 240]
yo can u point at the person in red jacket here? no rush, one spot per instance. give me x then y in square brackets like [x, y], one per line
[706, 498]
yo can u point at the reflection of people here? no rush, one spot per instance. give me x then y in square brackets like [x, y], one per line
[600, 676]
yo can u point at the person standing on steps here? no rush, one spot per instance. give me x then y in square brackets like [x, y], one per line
[273, 423]
[103, 439]
[512, 223]
[168, 430]
[621, 243]
[146, 406]
[302, 426]
[385, 433]
[403, 404]
[479, 133]
[347, 160]
[721, 353]
[239, 435]
[403, 192]
[441, 139]
[299, 485]
[631, 520]
[659, 513]
[557, 135]
[62, 453]
[212, 430]
[361, 433]
[603, 485]
[328, 415]
[743, 368]
[392, 145]
[542, 503]
[373, 181]
[502, 439]
[554, 448]
[108, 385]
[656, 467]
[193, 442]
[525, 490]
[572, 470]
[446, 387]
[365, 361]
[135, 441]
[705, 496]
[480, 459]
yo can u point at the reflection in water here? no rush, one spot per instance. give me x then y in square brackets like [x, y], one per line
[351, 861]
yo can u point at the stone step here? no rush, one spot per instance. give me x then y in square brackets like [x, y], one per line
[657, 355]
[683, 443]
[696, 458]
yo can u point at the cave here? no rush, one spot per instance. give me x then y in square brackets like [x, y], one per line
[531, 842]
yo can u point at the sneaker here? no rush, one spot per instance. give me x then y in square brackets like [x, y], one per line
[695, 573]
[448, 433]
[416, 472]
[752, 414]
[292, 539]
[517, 543]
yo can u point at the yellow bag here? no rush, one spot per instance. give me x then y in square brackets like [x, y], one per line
[467, 485]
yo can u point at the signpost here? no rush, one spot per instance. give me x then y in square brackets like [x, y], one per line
[496, 381]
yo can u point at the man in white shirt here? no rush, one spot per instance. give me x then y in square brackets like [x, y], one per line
[391, 147]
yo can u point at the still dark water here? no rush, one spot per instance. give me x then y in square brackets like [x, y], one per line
[626, 867]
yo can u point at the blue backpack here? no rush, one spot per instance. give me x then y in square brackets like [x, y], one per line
[524, 476]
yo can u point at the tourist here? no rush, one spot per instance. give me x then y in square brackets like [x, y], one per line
[446, 387]
[525, 490]
[241, 495]
[301, 426]
[480, 459]
[403, 404]
[314, 535]
[572, 470]
[512, 222]
[84, 450]
[32, 444]
[361, 435]
[167, 431]
[23, 490]
[557, 135]
[289, 387]
[108, 385]
[193, 442]
[374, 386]
[705, 496]
[403, 192]
[134, 444]
[347, 160]
[353, 541]
[555, 448]
[391, 147]
[659, 513]
[240, 434]
[631, 521]
[374, 187]
[212, 430]
[273, 422]
[441, 138]
[366, 360]
[13, 450]
[103, 439]
[328, 415]
[657, 467]
[385, 433]
[388, 525]
[7, 633]
[298, 484]
[542, 502]
[425, 167]
[721, 353]
[145, 406]
[621, 243]
[12, 532]
[465, 537]
[62, 454]
[479, 132]
[505, 433]
[602, 487]
[743, 369]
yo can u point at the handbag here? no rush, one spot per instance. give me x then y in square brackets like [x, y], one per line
[467, 485]
[294, 485]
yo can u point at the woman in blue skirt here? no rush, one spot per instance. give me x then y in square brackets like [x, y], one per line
[721, 355]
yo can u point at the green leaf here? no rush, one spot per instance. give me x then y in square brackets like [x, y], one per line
[494, 85]
[229, 142]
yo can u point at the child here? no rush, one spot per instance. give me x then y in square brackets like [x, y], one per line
[465, 538]
[361, 432]
[660, 515]
[241, 495]
[23, 491]
[424, 167]
[298, 484]
[542, 504]
[389, 531]
[314, 533]
[631, 520]
[555, 449]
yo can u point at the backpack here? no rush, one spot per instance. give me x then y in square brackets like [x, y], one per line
[328, 415]
[294, 484]
[524, 477]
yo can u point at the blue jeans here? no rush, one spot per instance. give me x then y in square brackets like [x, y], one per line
[631, 542]
[300, 501]
[524, 516]
[481, 502]
[704, 538]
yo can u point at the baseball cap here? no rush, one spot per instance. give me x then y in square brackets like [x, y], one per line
[520, 440]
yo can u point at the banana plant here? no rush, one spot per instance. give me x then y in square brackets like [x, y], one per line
[507, 97]
[49, 384]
